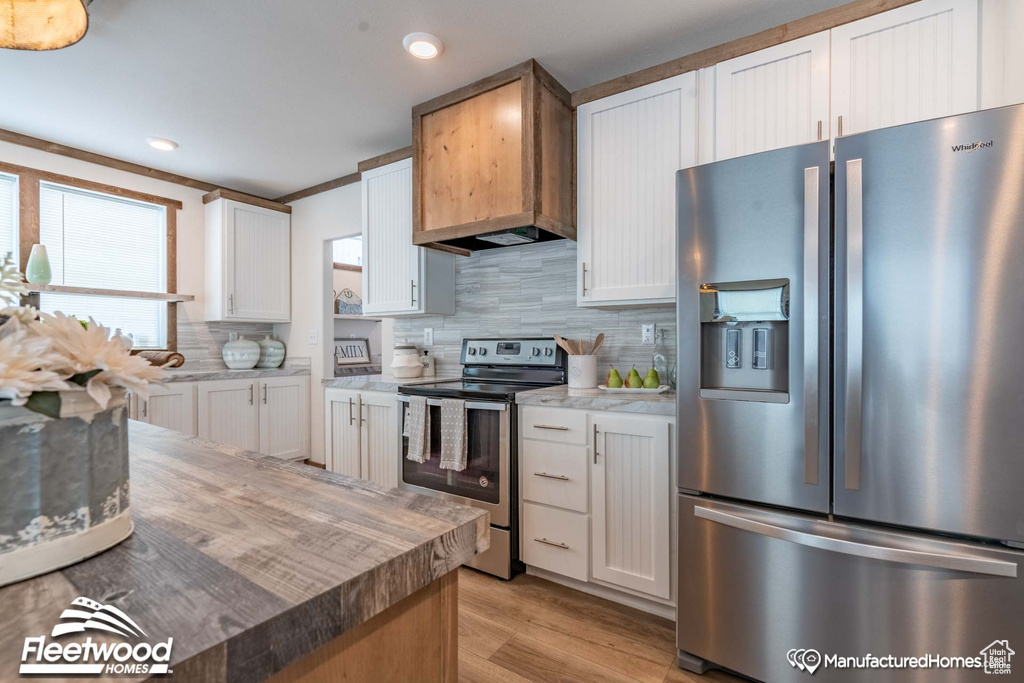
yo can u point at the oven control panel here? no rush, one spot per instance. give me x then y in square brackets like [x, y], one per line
[539, 352]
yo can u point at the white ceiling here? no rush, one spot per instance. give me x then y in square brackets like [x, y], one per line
[270, 96]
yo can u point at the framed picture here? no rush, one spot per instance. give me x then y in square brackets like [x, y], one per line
[351, 351]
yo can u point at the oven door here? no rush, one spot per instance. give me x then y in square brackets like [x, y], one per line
[485, 481]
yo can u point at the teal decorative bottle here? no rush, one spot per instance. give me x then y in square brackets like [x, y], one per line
[37, 270]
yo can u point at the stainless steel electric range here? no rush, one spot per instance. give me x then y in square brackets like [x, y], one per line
[493, 370]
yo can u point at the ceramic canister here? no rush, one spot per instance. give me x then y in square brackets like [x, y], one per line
[240, 354]
[406, 363]
[582, 372]
[271, 353]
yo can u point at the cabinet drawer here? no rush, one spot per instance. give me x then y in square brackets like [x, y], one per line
[556, 540]
[554, 424]
[555, 474]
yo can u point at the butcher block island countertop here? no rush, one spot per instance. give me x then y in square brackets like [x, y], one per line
[260, 568]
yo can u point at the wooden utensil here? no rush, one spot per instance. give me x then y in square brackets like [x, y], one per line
[597, 344]
[565, 344]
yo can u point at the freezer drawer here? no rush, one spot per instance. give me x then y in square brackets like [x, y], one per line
[755, 584]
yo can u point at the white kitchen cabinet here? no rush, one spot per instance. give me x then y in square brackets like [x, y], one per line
[248, 262]
[229, 413]
[362, 435]
[630, 146]
[909, 64]
[171, 406]
[772, 98]
[631, 503]
[400, 279]
[284, 416]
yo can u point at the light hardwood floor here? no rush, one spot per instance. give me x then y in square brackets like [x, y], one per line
[529, 629]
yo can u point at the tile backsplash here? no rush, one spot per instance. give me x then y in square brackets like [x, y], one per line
[200, 341]
[530, 290]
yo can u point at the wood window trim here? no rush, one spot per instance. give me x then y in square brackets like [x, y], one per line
[348, 267]
[28, 225]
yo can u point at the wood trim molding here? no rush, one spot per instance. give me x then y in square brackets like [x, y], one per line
[317, 189]
[101, 160]
[24, 172]
[172, 278]
[252, 200]
[822, 21]
[384, 159]
[348, 267]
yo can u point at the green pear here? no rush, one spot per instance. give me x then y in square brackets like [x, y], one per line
[633, 380]
[614, 380]
[652, 381]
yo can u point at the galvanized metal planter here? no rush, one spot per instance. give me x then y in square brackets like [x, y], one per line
[63, 485]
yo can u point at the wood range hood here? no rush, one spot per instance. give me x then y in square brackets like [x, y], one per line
[492, 163]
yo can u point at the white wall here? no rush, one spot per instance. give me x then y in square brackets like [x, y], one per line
[1002, 52]
[190, 219]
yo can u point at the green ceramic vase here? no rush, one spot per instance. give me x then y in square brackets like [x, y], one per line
[37, 271]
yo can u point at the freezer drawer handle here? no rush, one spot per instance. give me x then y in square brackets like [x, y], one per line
[560, 477]
[554, 427]
[547, 542]
[976, 565]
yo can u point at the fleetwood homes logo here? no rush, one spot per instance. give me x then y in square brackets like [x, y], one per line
[972, 147]
[95, 658]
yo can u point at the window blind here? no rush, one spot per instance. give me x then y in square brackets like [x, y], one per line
[8, 216]
[97, 240]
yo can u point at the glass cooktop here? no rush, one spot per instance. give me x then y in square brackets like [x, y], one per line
[469, 389]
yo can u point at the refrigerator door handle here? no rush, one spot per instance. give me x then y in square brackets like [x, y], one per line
[962, 563]
[810, 322]
[854, 321]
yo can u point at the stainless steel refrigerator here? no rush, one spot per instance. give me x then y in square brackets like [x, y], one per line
[851, 405]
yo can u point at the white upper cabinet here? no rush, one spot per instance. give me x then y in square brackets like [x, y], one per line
[630, 146]
[399, 278]
[773, 98]
[910, 64]
[248, 262]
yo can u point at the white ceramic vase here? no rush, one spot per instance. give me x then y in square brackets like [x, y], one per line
[240, 354]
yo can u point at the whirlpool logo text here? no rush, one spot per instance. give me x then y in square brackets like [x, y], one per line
[973, 147]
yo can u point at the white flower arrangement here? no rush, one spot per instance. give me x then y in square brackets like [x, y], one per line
[42, 355]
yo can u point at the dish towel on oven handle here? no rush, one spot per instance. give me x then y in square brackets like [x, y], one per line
[453, 434]
[417, 425]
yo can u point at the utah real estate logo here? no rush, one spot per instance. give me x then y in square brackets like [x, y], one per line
[88, 657]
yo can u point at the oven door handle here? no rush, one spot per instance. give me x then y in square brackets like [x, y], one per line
[470, 405]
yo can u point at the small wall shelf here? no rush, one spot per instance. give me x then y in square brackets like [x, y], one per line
[123, 294]
[350, 316]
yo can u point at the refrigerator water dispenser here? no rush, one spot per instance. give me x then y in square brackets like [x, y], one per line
[745, 340]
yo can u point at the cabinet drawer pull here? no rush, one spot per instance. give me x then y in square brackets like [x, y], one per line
[264, 394]
[560, 477]
[351, 412]
[552, 543]
[250, 394]
[231, 303]
[554, 427]
[584, 279]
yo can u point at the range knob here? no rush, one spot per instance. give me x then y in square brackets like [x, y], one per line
[535, 351]
[470, 350]
[483, 351]
[549, 351]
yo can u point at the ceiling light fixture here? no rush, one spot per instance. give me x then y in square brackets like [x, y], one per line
[162, 144]
[42, 24]
[423, 45]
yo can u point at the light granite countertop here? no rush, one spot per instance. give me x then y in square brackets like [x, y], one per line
[596, 399]
[205, 375]
[386, 383]
[249, 562]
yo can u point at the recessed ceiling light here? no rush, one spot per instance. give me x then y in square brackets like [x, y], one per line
[423, 45]
[162, 144]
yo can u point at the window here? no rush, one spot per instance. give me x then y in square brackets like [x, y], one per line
[106, 242]
[349, 251]
[8, 216]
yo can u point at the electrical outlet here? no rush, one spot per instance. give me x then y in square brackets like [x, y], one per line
[428, 336]
[647, 334]
[314, 338]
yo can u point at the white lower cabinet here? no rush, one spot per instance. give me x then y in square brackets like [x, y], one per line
[229, 414]
[598, 507]
[362, 434]
[171, 406]
[284, 417]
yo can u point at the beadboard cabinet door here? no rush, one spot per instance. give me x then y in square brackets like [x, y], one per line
[229, 414]
[284, 417]
[342, 452]
[631, 503]
[909, 64]
[398, 277]
[248, 262]
[630, 146]
[772, 98]
[378, 416]
[171, 406]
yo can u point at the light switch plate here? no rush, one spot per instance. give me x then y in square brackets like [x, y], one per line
[314, 338]
[428, 336]
[647, 333]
